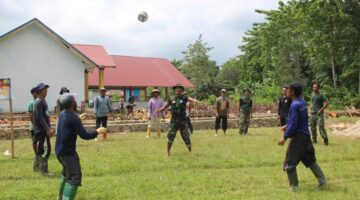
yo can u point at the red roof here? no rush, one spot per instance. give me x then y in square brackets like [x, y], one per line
[140, 72]
[96, 53]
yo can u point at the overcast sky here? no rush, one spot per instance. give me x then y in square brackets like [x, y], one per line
[172, 24]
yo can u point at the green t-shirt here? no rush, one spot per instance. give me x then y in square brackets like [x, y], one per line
[317, 101]
[30, 110]
[245, 104]
[222, 106]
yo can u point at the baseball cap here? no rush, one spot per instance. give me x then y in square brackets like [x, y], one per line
[41, 86]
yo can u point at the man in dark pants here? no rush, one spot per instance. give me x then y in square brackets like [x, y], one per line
[300, 147]
[68, 128]
[31, 128]
[42, 127]
[222, 108]
[101, 108]
[284, 105]
[245, 111]
[178, 117]
[319, 103]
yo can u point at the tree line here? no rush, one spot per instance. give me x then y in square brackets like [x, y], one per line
[302, 40]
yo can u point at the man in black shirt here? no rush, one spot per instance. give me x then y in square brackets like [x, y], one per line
[284, 105]
[69, 127]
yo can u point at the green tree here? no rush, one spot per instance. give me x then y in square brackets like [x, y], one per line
[198, 67]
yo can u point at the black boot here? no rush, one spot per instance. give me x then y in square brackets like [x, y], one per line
[36, 163]
[293, 179]
[316, 170]
[168, 148]
[326, 141]
[44, 167]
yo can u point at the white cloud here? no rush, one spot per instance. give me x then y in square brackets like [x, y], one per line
[172, 25]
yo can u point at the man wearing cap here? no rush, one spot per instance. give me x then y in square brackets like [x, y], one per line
[31, 128]
[69, 127]
[245, 111]
[178, 117]
[63, 90]
[154, 116]
[101, 108]
[42, 127]
[222, 107]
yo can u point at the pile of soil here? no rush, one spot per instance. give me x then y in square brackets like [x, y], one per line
[353, 130]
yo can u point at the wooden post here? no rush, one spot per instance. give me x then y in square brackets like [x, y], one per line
[145, 95]
[86, 78]
[166, 93]
[12, 128]
[101, 78]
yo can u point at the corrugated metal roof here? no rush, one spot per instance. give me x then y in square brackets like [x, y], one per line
[96, 53]
[139, 72]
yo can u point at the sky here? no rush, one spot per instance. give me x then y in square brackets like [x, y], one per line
[171, 27]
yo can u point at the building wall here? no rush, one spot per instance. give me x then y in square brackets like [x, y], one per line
[32, 56]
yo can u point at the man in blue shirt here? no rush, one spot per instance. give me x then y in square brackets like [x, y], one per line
[69, 127]
[300, 146]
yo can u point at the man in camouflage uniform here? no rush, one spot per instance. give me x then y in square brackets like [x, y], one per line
[319, 103]
[178, 117]
[245, 111]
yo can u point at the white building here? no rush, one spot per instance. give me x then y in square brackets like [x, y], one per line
[33, 53]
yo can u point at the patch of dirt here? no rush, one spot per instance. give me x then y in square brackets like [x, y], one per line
[346, 130]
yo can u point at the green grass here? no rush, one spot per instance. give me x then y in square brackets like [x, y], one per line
[224, 167]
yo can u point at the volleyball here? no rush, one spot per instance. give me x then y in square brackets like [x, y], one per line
[143, 16]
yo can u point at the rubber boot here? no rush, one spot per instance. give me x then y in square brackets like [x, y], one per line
[189, 148]
[314, 140]
[148, 133]
[158, 132]
[61, 188]
[43, 165]
[168, 148]
[69, 191]
[293, 179]
[36, 163]
[326, 141]
[316, 170]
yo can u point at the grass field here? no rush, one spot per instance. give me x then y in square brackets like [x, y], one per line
[224, 167]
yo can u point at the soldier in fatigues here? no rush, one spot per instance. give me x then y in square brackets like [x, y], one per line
[245, 111]
[319, 103]
[178, 117]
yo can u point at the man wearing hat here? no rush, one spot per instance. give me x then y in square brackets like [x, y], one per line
[31, 128]
[63, 90]
[245, 111]
[178, 117]
[222, 108]
[154, 116]
[42, 127]
[69, 127]
[101, 108]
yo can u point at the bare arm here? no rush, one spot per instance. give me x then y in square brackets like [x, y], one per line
[164, 107]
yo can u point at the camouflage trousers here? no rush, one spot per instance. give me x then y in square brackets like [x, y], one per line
[244, 123]
[181, 126]
[318, 120]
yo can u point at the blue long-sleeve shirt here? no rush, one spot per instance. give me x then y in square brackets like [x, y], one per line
[68, 127]
[297, 119]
